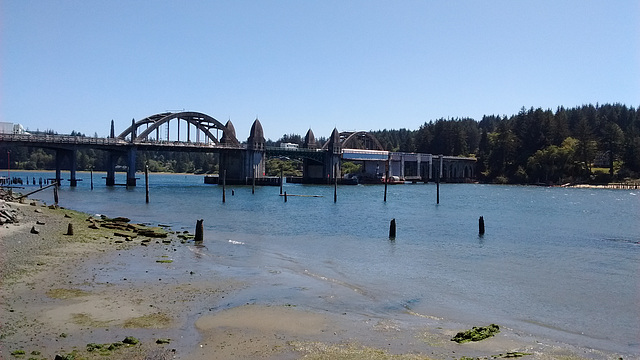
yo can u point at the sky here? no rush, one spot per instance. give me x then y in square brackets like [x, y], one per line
[304, 64]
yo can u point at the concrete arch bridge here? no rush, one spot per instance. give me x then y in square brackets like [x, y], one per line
[190, 131]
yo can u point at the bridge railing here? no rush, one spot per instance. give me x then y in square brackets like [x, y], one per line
[83, 140]
[59, 139]
[276, 148]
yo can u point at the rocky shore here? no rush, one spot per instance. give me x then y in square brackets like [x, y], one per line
[76, 286]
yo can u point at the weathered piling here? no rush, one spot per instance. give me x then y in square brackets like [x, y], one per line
[55, 194]
[91, 169]
[281, 173]
[392, 229]
[438, 174]
[386, 181]
[146, 182]
[224, 185]
[199, 231]
[285, 196]
[438, 190]
[335, 184]
[481, 226]
[253, 182]
[69, 229]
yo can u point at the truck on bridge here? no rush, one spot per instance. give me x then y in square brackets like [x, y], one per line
[11, 128]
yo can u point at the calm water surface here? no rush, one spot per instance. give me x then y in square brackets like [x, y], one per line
[554, 261]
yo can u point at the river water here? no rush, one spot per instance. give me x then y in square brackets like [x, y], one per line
[557, 262]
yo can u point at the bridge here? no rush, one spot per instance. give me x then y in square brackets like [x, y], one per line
[190, 131]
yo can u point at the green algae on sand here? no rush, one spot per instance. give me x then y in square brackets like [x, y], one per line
[477, 333]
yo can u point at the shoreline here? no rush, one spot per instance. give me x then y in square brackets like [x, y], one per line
[94, 287]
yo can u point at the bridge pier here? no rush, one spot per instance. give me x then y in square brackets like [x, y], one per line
[131, 171]
[111, 169]
[72, 168]
[60, 156]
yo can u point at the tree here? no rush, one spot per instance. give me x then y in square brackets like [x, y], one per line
[614, 138]
[586, 144]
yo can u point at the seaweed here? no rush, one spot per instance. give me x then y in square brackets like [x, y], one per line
[477, 333]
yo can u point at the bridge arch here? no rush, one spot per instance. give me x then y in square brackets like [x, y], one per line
[349, 140]
[202, 122]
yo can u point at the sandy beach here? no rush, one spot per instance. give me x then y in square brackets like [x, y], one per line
[68, 295]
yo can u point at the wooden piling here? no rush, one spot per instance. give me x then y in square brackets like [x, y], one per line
[335, 184]
[34, 180]
[386, 182]
[55, 194]
[285, 196]
[224, 185]
[392, 229]
[199, 231]
[69, 229]
[481, 226]
[281, 180]
[146, 182]
[253, 182]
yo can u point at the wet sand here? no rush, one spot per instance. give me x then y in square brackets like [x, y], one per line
[59, 293]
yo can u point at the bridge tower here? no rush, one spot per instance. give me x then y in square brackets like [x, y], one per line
[333, 156]
[255, 155]
[231, 160]
[312, 170]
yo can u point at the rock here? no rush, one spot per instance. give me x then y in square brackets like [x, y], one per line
[476, 333]
[39, 222]
[39, 211]
[163, 341]
[153, 233]
[69, 229]
[34, 230]
[130, 340]
[67, 216]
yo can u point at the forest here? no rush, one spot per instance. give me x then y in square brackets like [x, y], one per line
[585, 144]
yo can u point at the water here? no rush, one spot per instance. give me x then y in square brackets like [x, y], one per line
[556, 262]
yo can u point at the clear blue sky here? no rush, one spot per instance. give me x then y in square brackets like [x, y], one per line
[300, 64]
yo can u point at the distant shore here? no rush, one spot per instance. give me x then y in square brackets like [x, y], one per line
[61, 293]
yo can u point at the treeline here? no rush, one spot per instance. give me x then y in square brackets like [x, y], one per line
[589, 143]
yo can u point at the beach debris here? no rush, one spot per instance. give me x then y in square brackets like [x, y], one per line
[186, 236]
[477, 333]
[512, 354]
[17, 353]
[71, 356]
[152, 232]
[130, 340]
[8, 215]
[105, 348]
